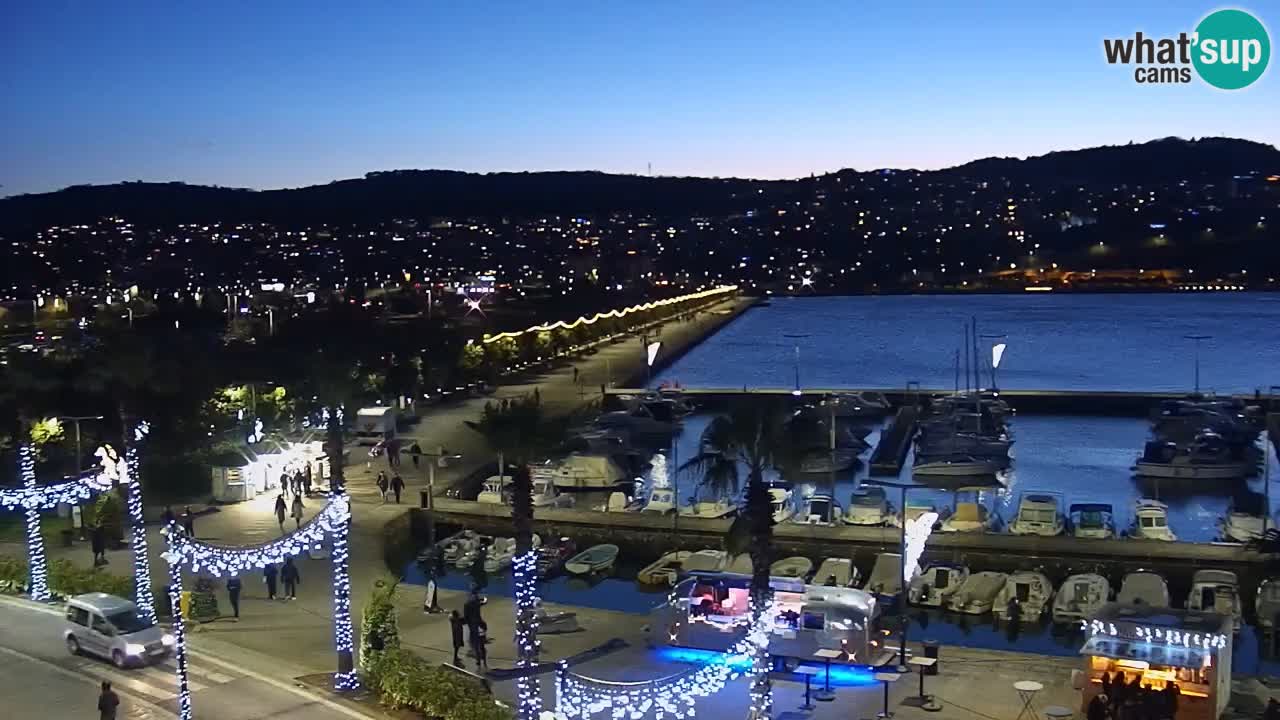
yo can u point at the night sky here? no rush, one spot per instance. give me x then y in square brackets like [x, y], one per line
[286, 93]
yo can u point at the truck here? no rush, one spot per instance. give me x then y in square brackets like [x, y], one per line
[375, 424]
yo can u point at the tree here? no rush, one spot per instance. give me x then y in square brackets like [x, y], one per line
[518, 428]
[525, 576]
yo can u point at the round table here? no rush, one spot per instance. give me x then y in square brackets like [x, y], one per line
[1027, 690]
[1057, 712]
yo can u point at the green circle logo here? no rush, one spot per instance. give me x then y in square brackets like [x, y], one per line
[1232, 49]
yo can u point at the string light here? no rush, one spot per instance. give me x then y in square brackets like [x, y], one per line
[524, 573]
[1170, 636]
[178, 628]
[37, 563]
[343, 636]
[562, 325]
[142, 595]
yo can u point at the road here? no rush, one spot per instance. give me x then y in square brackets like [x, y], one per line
[41, 680]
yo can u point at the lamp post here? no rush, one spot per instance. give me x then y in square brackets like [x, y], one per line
[796, 338]
[902, 557]
[1198, 339]
[79, 456]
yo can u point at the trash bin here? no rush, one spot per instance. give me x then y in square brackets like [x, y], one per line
[68, 537]
[424, 501]
[931, 651]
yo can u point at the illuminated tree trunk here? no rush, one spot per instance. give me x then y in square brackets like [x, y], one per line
[178, 627]
[525, 574]
[37, 562]
[343, 636]
[760, 517]
[143, 596]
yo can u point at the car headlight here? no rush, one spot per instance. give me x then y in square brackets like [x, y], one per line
[167, 639]
[134, 649]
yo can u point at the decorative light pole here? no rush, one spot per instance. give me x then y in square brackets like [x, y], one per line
[1198, 339]
[796, 338]
[37, 562]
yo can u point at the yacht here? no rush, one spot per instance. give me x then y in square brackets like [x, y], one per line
[494, 490]
[885, 579]
[855, 405]
[1162, 459]
[969, 517]
[962, 444]
[1027, 590]
[1245, 519]
[1038, 514]
[502, 552]
[1080, 597]
[957, 466]
[1216, 591]
[868, 506]
[1151, 521]
[1144, 588]
[780, 495]
[1268, 603]
[836, 572]
[936, 584]
[547, 495]
[978, 593]
[580, 471]
[652, 419]
[818, 509]
[1092, 520]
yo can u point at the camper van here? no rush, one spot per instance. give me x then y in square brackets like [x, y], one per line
[375, 425]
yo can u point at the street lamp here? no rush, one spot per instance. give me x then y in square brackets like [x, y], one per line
[796, 337]
[1198, 339]
[907, 570]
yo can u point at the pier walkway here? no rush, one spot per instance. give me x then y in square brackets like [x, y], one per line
[891, 451]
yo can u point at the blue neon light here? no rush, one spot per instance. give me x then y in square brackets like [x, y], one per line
[841, 675]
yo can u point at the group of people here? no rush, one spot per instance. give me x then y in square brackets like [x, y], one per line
[476, 631]
[299, 482]
[188, 520]
[294, 510]
[1131, 700]
[287, 574]
[395, 484]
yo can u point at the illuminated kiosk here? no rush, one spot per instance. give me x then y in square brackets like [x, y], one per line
[1191, 649]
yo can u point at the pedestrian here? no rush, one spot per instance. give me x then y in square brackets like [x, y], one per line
[233, 592]
[575, 374]
[1097, 709]
[284, 481]
[306, 478]
[382, 486]
[289, 574]
[482, 652]
[98, 538]
[108, 701]
[397, 486]
[391, 456]
[296, 512]
[269, 575]
[168, 516]
[415, 453]
[189, 522]
[1171, 692]
[456, 625]
[280, 511]
[297, 482]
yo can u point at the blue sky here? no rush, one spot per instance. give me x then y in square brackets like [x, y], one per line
[286, 93]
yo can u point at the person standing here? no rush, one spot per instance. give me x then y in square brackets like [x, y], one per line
[284, 482]
[108, 701]
[415, 454]
[280, 511]
[297, 510]
[397, 486]
[98, 538]
[382, 486]
[168, 515]
[482, 652]
[189, 522]
[269, 574]
[297, 482]
[289, 574]
[306, 478]
[233, 592]
[456, 625]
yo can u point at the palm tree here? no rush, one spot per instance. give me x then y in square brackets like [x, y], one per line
[526, 578]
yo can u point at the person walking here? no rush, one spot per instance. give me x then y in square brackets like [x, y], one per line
[296, 512]
[382, 486]
[415, 454]
[289, 574]
[281, 510]
[455, 625]
[306, 478]
[189, 522]
[269, 574]
[575, 374]
[108, 701]
[168, 515]
[284, 481]
[397, 486]
[98, 538]
[297, 482]
[482, 652]
[233, 592]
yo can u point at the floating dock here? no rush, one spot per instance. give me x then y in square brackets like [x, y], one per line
[895, 441]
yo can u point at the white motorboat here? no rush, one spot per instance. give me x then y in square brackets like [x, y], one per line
[456, 546]
[547, 495]
[662, 500]
[1144, 588]
[1080, 597]
[958, 466]
[1162, 459]
[1151, 521]
[1268, 603]
[969, 517]
[836, 572]
[641, 418]
[885, 579]
[494, 490]
[665, 569]
[780, 500]
[581, 471]
[1092, 520]
[1245, 520]
[916, 508]
[935, 585]
[619, 502]
[868, 506]
[740, 564]
[796, 567]
[818, 509]
[709, 509]
[1038, 514]
[978, 593]
[1026, 594]
[502, 552]
[705, 561]
[1216, 591]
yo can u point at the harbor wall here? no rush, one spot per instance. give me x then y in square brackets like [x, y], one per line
[674, 348]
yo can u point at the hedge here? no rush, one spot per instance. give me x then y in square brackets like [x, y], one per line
[404, 680]
[65, 578]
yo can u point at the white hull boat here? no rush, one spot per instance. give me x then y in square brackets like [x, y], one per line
[1144, 588]
[978, 593]
[581, 471]
[547, 495]
[664, 570]
[1091, 520]
[502, 552]
[969, 517]
[1027, 591]
[1080, 597]
[1038, 514]
[1268, 603]
[780, 501]
[936, 584]
[662, 501]
[1151, 522]
[797, 567]
[885, 579]
[836, 572]
[493, 491]
[868, 507]
[592, 561]
[1216, 591]
[709, 509]
[705, 561]
[818, 510]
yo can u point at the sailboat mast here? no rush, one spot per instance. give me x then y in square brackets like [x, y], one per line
[966, 358]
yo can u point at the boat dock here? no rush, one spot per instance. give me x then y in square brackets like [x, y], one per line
[895, 441]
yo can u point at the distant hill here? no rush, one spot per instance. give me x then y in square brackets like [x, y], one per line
[435, 193]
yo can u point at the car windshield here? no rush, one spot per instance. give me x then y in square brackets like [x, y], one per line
[129, 621]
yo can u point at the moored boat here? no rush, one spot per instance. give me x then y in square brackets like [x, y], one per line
[885, 579]
[1268, 603]
[868, 506]
[664, 570]
[1151, 521]
[969, 517]
[836, 572]
[1091, 520]
[1024, 597]
[1216, 591]
[978, 593]
[1144, 587]
[935, 585]
[818, 509]
[705, 561]
[1080, 597]
[592, 561]
[1038, 514]
[796, 567]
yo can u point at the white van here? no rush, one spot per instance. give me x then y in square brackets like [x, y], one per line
[113, 628]
[375, 425]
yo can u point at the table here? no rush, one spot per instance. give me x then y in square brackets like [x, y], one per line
[1057, 712]
[1027, 690]
[922, 664]
[888, 678]
[808, 673]
[827, 654]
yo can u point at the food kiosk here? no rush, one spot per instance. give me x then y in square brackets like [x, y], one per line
[1161, 646]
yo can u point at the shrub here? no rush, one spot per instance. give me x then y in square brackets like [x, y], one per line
[13, 574]
[65, 578]
[404, 680]
[204, 599]
[379, 630]
[108, 513]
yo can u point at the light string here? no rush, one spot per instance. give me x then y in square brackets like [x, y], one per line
[582, 320]
[524, 573]
[178, 628]
[142, 594]
[37, 563]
